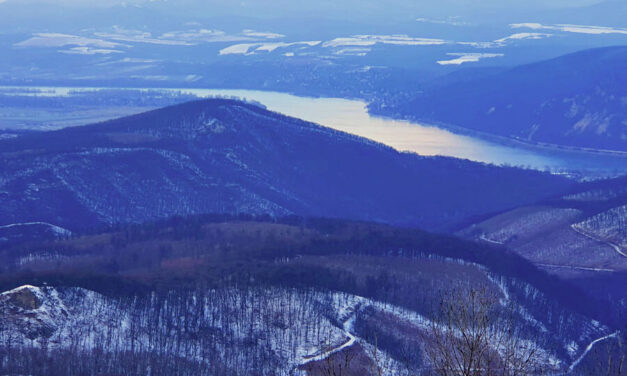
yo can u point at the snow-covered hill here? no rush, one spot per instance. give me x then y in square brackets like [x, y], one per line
[274, 330]
[609, 226]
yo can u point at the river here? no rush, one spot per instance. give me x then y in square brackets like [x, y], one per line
[352, 116]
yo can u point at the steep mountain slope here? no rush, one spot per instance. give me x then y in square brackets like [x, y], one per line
[580, 236]
[575, 100]
[223, 156]
[590, 219]
[609, 226]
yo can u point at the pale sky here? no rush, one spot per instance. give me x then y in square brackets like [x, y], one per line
[319, 3]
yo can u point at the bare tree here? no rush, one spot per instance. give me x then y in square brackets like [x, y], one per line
[471, 335]
[335, 363]
[376, 366]
[610, 358]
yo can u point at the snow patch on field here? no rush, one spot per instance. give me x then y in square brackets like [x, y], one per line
[371, 40]
[61, 40]
[90, 51]
[56, 229]
[261, 34]
[464, 57]
[580, 29]
[521, 36]
[252, 48]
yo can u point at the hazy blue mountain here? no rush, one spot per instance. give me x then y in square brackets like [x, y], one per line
[313, 48]
[223, 156]
[576, 100]
[382, 12]
[158, 46]
[608, 13]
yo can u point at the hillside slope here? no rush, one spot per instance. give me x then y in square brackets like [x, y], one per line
[270, 296]
[575, 100]
[580, 237]
[224, 156]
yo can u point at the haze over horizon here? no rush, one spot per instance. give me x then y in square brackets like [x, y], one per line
[310, 188]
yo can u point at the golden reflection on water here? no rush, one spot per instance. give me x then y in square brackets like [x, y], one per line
[351, 116]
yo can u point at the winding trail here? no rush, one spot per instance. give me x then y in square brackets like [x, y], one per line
[589, 269]
[347, 326]
[483, 237]
[58, 230]
[616, 247]
[588, 349]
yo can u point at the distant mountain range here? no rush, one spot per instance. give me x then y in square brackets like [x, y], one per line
[577, 100]
[608, 13]
[225, 156]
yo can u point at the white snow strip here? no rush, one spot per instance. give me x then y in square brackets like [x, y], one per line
[520, 36]
[60, 40]
[56, 229]
[616, 247]
[269, 47]
[237, 49]
[464, 57]
[347, 327]
[502, 286]
[251, 48]
[371, 40]
[90, 51]
[485, 239]
[580, 29]
[587, 350]
[505, 40]
[261, 34]
[590, 269]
